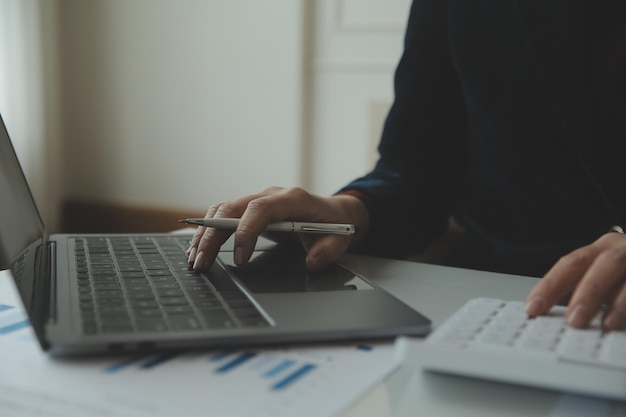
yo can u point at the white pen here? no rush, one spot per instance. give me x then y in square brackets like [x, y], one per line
[288, 226]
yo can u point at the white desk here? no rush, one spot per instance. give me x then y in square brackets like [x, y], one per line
[437, 292]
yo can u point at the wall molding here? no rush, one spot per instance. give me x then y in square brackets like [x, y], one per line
[324, 66]
[346, 20]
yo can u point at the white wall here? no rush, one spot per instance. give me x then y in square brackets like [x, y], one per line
[356, 46]
[29, 96]
[180, 103]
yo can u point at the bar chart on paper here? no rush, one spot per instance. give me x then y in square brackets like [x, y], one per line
[276, 370]
[279, 372]
[12, 319]
[276, 382]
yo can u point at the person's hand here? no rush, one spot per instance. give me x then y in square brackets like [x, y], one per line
[273, 205]
[594, 276]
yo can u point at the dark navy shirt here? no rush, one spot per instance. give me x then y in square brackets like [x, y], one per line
[509, 116]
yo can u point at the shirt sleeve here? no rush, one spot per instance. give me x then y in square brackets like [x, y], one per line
[414, 186]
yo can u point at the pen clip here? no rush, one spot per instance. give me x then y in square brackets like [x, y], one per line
[343, 230]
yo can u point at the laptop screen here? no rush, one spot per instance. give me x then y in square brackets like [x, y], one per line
[20, 224]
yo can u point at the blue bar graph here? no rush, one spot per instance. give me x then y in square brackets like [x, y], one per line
[274, 372]
[11, 321]
[159, 360]
[15, 326]
[290, 379]
[287, 363]
[238, 361]
[123, 364]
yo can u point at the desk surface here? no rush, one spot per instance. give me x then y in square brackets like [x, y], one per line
[437, 292]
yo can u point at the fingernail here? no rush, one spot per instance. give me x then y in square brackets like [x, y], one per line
[612, 321]
[239, 255]
[192, 255]
[534, 306]
[578, 316]
[199, 262]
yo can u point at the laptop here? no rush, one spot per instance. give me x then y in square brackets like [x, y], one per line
[118, 293]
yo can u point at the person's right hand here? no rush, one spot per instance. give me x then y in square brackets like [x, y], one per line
[280, 204]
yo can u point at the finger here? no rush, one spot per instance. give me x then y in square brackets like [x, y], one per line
[195, 241]
[325, 251]
[615, 317]
[560, 280]
[209, 246]
[207, 241]
[278, 205]
[595, 287]
[307, 240]
[614, 291]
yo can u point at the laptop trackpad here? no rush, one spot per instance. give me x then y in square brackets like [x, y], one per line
[284, 270]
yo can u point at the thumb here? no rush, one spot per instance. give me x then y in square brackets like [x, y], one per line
[325, 250]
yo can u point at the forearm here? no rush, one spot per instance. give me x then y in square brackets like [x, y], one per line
[403, 217]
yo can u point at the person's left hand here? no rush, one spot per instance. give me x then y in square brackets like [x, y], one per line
[594, 276]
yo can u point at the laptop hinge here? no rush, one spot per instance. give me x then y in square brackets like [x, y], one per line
[52, 268]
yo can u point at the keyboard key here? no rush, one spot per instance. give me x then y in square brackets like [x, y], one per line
[184, 322]
[140, 295]
[138, 288]
[148, 313]
[165, 292]
[196, 288]
[165, 286]
[110, 301]
[128, 274]
[116, 328]
[164, 278]
[174, 301]
[202, 295]
[120, 309]
[233, 295]
[204, 304]
[217, 318]
[151, 325]
[103, 285]
[173, 310]
[141, 304]
[158, 272]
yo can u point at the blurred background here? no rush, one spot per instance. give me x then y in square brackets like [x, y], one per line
[129, 114]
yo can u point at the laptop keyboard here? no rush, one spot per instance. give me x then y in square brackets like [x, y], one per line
[144, 284]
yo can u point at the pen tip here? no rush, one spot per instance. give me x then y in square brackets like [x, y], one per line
[182, 221]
